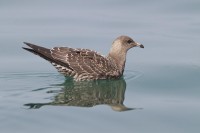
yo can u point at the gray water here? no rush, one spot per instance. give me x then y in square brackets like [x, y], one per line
[160, 91]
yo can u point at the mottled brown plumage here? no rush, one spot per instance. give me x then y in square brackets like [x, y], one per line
[85, 64]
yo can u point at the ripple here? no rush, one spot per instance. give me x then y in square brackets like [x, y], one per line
[132, 75]
[27, 74]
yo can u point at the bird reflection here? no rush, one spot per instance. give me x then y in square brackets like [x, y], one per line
[89, 94]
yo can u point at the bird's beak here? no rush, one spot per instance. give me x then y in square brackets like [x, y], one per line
[139, 45]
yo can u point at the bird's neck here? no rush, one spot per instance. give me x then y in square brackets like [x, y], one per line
[119, 58]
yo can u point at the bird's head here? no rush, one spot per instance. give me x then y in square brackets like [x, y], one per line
[125, 43]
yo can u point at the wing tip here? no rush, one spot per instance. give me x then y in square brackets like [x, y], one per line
[25, 42]
[28, 49]
[28, 44]
[25, 48]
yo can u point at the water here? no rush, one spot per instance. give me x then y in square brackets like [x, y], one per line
[160, 90]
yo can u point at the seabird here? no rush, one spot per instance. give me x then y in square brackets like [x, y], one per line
[85, 64]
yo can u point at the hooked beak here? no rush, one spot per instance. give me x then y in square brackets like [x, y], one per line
[140, 45]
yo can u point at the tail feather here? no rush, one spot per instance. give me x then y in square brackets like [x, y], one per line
[44, 53]
[38, 49]
[41, 51]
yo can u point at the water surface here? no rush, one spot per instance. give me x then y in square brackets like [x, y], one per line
[160, 89]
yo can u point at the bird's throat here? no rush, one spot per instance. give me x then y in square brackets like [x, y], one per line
[119, 59]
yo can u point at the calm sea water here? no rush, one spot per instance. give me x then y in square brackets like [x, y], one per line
[160, 92]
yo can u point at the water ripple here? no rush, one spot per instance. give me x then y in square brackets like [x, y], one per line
[132, 75]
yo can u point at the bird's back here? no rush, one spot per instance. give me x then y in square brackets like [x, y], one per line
[81, 64]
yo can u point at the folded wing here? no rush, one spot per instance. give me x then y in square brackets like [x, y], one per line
[85, 63]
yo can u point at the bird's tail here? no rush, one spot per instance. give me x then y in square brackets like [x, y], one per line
[38, 50]
[44, 53]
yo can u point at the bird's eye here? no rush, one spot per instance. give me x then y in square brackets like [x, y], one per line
[129, 41]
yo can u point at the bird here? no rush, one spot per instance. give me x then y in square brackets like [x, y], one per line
[85, 64]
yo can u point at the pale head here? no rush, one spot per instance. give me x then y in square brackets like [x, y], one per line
[125, 43]
[119, 49]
